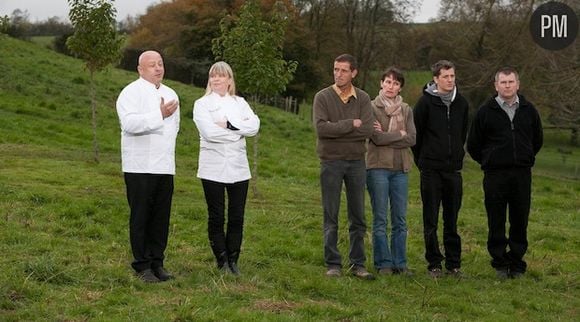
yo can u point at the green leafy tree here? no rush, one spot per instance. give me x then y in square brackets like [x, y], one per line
[252, 45]
[4, 24]
[96, 41]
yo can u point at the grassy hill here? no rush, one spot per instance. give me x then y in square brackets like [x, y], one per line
[64, 227]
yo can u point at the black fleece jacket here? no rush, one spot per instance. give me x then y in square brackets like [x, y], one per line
[441, 132]
[495, 142]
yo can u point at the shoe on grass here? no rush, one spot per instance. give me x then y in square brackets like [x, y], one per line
[454, 272]
[435, 272]
[403, 271]
[516, 275]
[502, 274]
[333, 272]
[362, 273]
[148, 276]
[162, 274]
[385, 271]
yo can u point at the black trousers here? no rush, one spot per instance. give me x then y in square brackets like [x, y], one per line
[149, 197]
[441, 188]
[508, 188]
[229, 241]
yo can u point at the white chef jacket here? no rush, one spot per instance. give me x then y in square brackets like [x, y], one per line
[147, 140]
[222, 152]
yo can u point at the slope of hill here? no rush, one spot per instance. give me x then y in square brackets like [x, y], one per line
[64, 241]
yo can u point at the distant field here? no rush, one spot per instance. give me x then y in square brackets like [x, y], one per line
[44, 41]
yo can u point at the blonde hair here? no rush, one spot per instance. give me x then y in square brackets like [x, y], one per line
[223, 69]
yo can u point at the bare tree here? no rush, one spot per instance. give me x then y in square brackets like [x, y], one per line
[482, 36]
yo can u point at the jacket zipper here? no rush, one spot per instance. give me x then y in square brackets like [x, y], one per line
[448, 135]
[513, 128]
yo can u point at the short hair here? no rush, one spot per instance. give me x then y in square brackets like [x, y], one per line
[395, 73]
[348, 59]
[223, 69]
[146, 53]
[442, 64]
[506, 71]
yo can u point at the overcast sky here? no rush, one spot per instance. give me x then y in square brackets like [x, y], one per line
[39, 10]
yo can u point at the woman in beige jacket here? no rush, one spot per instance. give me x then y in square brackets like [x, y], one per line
[388, 163]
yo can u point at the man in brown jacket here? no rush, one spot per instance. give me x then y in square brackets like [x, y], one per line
[343, 119]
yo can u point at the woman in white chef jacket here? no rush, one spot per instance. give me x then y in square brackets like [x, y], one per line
[223, 120]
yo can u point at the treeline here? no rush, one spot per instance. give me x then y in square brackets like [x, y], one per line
[479, 36]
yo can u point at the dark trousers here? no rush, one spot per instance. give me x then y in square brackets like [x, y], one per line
[149, 197]
[332, 175]
[441, 188]
[229, 241]
[503, 188]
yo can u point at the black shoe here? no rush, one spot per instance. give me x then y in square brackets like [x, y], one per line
[222, 260]
[516, 275]
[148, 276]
[502, 274]
[454, 272]
[234, 268]
[162, 274]
[435, 272]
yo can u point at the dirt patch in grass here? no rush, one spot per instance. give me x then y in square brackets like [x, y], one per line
[275, 306]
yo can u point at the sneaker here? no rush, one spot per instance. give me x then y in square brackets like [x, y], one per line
[435, 272]
[147, 276]
[385, 271]
[454, 272]
[333, 272]
[502, 274]
[362, 273]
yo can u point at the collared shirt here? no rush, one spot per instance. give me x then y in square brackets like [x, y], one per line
[222, 152]
[147, 140]
[346, 95]
[509, 109]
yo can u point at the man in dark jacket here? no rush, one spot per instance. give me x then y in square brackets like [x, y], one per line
[504, 139]
[441, 117]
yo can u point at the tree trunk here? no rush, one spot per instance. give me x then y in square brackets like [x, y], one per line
[255, 167]
[94, 118]
[254, 181]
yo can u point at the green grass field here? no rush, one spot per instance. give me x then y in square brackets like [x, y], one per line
[64, 224]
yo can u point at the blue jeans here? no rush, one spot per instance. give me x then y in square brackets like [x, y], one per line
[385, 185]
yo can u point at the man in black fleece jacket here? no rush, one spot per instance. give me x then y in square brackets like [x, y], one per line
[505, 136]
[441, 120]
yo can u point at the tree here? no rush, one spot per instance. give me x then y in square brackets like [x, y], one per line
[371, 30]
[482, 36]
[252, 45]
[95, 40]
[17, 26]
[4, 24]
[182, 30]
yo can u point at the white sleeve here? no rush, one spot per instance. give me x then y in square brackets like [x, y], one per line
[132, 120]
[248, 123]
[207, 127]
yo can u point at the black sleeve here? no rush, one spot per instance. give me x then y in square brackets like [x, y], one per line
[231, 127]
